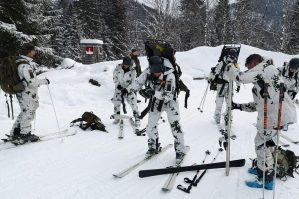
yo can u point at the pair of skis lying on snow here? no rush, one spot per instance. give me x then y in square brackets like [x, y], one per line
[174, 171]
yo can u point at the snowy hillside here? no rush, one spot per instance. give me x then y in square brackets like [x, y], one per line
[81, 166]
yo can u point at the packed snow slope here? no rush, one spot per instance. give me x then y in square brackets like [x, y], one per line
[81, 166]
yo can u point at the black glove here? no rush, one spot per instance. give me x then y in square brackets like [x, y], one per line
[124, 91]
[293, 95]
[238, 89]
[149, 92]
[48, 81]
[236, 106]
[119, 87]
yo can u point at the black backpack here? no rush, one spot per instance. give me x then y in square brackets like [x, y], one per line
[164, 49]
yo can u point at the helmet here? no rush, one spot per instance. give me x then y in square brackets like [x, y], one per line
[127, 61]
[156, 64]
[294, 63]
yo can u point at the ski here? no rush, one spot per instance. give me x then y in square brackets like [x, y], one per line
[131, 168]
[218, 165]
[289, 139]
[168, 185]
[121, 129]
[43, 138]
[6, 140]
[281, 143]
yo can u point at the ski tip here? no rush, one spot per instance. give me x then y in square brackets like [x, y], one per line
[116, 176]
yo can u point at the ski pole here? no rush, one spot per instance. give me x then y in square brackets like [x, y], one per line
[279, 125]
[229, 122]
[187, 180]
[203, 99]
[53, 108]
[265, 95]
[195, 180]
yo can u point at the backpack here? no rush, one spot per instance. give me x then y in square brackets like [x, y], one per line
[224, 52]
[10, 81]
[88, 119]
[164, 49]
[287, 163]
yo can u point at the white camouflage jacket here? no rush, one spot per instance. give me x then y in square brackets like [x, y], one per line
[27, 72]
[122, 78]
[264, 72]
[164, 90]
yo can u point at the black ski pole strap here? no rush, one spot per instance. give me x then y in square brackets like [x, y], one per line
[123, 103]
[8, 110]
[11, 105]
[180, 187]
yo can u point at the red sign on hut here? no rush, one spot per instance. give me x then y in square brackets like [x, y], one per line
[89, 50]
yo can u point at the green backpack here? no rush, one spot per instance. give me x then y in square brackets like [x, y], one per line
[90, 120]
[10, 81]
[287, 163]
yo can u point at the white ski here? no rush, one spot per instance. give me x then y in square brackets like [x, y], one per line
[131, 168]
[9, 145]
[289, 139]
[169, 183]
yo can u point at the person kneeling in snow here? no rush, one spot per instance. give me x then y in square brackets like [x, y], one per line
[123, 76]
[162, 94]
[259, 73]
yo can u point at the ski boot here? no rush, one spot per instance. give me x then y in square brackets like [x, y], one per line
[24, 138]
[253, 171]
[258, 184]
[154, 148]
[179, 156]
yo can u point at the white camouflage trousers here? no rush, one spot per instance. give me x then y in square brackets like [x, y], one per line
[260, 150]
[221, 94]
[28, 102]
[172, 110]
[130, 98]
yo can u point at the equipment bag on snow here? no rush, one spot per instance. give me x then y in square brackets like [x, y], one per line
[287, 163]
[88, 119]
[164, 49]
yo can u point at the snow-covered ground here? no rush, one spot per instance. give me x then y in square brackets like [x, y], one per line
[81, 166]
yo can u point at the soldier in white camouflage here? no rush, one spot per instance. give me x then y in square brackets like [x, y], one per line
[163, 97]
[289, 73]
[21, 131]
[123, 76]
[259, 73]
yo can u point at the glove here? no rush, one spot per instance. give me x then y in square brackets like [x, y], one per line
[293, 95]
[119, 87]
[47, 82]
[238, 89]
[236, 106]
[149, 92]
[124, 91]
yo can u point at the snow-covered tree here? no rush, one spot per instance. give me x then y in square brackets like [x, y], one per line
[193, 21]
